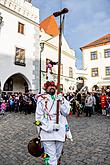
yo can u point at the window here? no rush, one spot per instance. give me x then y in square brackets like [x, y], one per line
[94, 72]
[107, 53]
[94, 55]
[20, 28]
[61, 69]
[70, 72]
[107, 70]
[20, 57]
[8, 86]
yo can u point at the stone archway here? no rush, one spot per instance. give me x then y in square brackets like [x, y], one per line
[16, 83]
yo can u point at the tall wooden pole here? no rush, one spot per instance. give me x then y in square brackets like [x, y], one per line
[40, 69]
[59, 68]
[56, 14]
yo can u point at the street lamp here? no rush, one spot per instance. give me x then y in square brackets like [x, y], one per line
[41, 50]
[56, 14]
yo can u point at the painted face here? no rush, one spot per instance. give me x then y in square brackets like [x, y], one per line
[51, 90]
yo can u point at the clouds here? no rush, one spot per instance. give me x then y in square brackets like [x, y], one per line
[86, 21]
[91, 24]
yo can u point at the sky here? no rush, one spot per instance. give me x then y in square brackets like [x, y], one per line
[86, 21]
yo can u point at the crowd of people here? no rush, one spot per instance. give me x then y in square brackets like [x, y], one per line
[89, 102]
[53, 127]
[84, 102]
[17, 102]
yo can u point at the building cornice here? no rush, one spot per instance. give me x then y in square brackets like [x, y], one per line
[105, 40]
[26, 10]
[97, 45]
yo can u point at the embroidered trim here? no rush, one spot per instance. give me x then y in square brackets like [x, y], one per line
[46, 108]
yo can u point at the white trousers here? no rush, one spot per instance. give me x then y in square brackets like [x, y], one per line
[53, 149]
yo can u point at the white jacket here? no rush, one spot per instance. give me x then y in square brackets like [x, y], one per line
[46, 114]
[89, 101]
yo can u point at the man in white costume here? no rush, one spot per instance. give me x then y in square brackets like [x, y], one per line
[52, 134]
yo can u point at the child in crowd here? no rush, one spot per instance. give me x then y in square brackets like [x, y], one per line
[3, 107]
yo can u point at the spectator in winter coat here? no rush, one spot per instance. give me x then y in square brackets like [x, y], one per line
[88, 104]
[94, 103]
[108, 106]
[103, 101]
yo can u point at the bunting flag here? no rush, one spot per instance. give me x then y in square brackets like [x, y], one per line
[50, 26]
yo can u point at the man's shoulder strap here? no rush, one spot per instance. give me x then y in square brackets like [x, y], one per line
[42, 96]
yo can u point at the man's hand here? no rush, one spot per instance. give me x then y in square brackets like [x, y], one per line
[59, 97]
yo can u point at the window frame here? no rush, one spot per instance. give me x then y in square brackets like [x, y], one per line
[94, 73]
[17, 60]
[21, 28]
[106, 70]
[8, 86]
[70, 72]
[106, 54]
[93, 56]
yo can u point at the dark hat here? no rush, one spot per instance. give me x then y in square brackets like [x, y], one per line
[35, 148]
[49, 83]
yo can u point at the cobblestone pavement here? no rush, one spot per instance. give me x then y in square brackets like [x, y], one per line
[90, 146]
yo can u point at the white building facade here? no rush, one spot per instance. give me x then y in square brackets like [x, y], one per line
[19, 46]
[68, 69]
[21, 54]
[96, 61]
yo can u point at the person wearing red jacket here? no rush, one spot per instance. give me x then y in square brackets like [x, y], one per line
[103, 101]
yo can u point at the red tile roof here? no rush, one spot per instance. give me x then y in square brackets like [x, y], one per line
[50, 26]
[101, 41]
